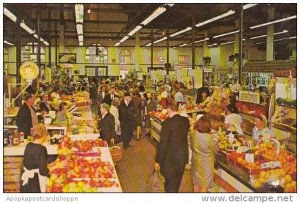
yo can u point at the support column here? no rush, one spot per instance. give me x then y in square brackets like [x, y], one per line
[18, 49]
[61, 30]
[39, 40]
[49, 38]
[193, 38]
[168, 46]
[56, 45]
[270, 36]
[152, 48]
[137, 50]
[205, 47]
[241, 43]
[236, 48]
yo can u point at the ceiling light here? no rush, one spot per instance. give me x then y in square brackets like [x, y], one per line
[117, 44]
[35, 35]
[89, 11]
[79, 13]
[174, 47]
[277, 33]
[124, 39]
[225, 34]
[260, 42]
[294, 37]
[214, 44]
[80, 38]
[46, 43]
[231, 42]
[148, 45]
[25, 27]
[183, 45]
[273, 22]
[162, 39]
[10, 15]
[80, 43]
[6, 42]
[181, 31]
[170, 5]
[155, 14]
[137, 28]
[248, 6]
[228, 13]
[79, 28]
[202, 40]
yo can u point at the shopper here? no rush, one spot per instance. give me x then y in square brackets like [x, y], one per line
[107, 124]
[203, 147]
[61, 116]
[260, 131]
[35, 171]
[114, 110]
[26, 117]
[150, 105]
[172, 150]
[109, 97]
[102, 93]
[44, 105]
[179, 97]
[140, 86]
[127, 119]
[233, 120]
[94, 98]
[137, 110]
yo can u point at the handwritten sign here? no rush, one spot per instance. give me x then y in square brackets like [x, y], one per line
[247, 96]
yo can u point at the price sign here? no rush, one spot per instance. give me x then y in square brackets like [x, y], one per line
[247, 96]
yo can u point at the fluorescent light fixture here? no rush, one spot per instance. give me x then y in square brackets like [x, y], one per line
[225, 34]
[35, 35]
[117, 44]
[181, 31]
[260, 42]
[174, 47]
[183, 45]
[248, 6]
[80, 43]
[277, 33]
[214, 44]
[124, 39]
[162, 39]
[46, 43]
[79, 13]
[6, 42]
[79, 28]
[202, 40]
[273, 22]
[231, 42]
[10, 15]
[155, 14]
[228, 13]
[294, 37]
[137, 28]
[80, 38]
[25, 27]
[170, 5]
[148, 45]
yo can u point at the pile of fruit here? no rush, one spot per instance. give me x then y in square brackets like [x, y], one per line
[283, 181]
[80, 174]
[161, 115]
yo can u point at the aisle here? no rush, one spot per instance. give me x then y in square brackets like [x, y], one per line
[137, 164]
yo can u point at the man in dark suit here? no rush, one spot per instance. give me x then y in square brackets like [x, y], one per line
[172, 150]
[110, 97]
[126, 117]
[26, 117]
[107, 124]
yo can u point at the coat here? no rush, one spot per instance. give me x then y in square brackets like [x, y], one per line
[108, 100]
[107, 128]
[44, 107]
[35, 157]
[126, 116]
[150, 106]
[172, 150]
[115, 112]
[137, 109]
[24, 120]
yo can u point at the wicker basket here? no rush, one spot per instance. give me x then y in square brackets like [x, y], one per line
[116, 153]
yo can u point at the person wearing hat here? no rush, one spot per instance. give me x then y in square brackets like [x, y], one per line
[261, 132]
[233, 120]
[126, 116]
[26, 117]
[107, 125]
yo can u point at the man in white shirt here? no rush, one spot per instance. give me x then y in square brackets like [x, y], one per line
[233, 120]
[179, 96]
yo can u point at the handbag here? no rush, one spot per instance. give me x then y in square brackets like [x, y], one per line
[156, 182]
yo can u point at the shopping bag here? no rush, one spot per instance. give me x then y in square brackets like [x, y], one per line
[156, 182]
